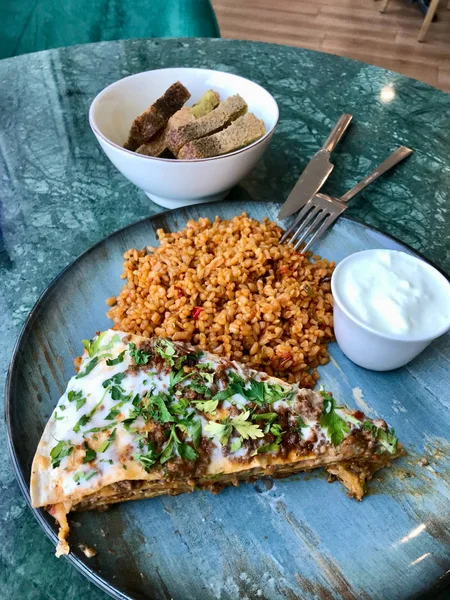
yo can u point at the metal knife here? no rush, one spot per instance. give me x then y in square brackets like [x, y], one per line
[316, 171]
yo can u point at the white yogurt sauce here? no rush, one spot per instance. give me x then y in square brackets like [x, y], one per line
[394, 293]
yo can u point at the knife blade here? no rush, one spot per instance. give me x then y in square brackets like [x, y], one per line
[316, 172]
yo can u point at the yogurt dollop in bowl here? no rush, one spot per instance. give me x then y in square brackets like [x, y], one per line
[388, 307]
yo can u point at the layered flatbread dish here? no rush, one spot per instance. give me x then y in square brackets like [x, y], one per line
[145, 417]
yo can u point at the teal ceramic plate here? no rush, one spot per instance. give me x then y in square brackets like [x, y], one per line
[295, 538]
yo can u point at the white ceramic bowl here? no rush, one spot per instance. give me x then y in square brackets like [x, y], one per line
[374, 349]
[175, 183]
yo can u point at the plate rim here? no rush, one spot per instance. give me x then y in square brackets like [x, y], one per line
[38, 513]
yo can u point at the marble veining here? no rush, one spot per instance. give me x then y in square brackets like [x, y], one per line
[60, 194]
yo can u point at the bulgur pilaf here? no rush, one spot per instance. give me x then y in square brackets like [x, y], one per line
[230, 288]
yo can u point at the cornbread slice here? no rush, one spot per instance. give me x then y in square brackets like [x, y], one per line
[156, 116]
[242, 132]
[227, 111]
[158, 143]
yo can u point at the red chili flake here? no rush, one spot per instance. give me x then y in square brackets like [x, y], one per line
[180, 291]
[196, 311]
[284, 269]
[359, 415]
[285, 358]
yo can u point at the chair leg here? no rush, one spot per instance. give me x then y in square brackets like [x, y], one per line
[386, 3]
[428, 18]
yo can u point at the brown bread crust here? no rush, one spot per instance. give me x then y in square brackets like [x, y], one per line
[156, 116]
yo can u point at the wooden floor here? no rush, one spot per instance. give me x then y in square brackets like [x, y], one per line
[352, 28]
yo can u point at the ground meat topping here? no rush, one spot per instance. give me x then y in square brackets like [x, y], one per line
[308, 404]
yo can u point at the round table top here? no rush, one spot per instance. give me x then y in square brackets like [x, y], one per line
[60, 194]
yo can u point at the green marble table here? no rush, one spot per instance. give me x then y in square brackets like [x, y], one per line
[60, 194]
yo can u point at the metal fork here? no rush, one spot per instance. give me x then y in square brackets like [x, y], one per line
[321, 211]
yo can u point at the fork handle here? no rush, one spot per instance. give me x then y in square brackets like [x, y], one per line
[338, 131]
[397, 156]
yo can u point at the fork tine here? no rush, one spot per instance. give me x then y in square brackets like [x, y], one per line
[305, 209]
[304, 224]
[320, 216]
[331, 218]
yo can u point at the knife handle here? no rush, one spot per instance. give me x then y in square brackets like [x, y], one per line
[337, 133]
[400, 154]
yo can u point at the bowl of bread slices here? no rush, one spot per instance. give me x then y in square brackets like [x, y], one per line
[183, 135]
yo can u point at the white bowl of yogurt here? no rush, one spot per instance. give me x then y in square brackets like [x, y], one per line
[388, 307]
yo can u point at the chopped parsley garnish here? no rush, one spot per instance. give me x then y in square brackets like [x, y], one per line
[175, 445]
[148, 459]
[179, 362]
[245, 428]
[258, 392]
[275, 430]
[261, 392]
[90, 453]
[208, 377]
[113, 413]
[96, 429]
[58, 418]
[107, 460]
[200, 388]
[331, 421]
[127, 425]
[78, 398]
[299, 425]
[176, 377]
[115, 410]
[222, 430]
[110, 362]
[155, 407]
[195, 356]
[267, 448]
[114, 380]
[265, 417]
[226, 393]
[386, 438]
[192, 426]
[105, 445]
[236, 445]
[207, 406]
[274, 392]
[166, 350]
[84, 420]
[269, 418]
[115, 389]
[91, 365]
[139, 356]
[195, 430]
[187, 452]
[82, 475]
[179, 407]
[62, 407]
[60, 451]
[93, 346]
